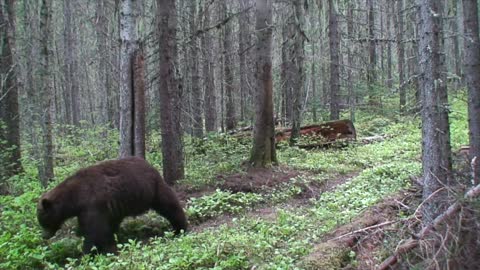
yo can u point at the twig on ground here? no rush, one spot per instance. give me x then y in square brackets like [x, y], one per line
[413, 243]
[366, 229]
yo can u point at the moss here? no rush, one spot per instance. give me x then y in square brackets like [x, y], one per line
[328, 255]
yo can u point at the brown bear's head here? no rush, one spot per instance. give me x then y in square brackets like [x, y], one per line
[48, 217]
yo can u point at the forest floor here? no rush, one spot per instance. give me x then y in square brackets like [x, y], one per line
[364, 236]
[261, 180]
[336, 208]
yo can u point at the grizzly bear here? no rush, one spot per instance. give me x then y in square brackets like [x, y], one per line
[102, 195]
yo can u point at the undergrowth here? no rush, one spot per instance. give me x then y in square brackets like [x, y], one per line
[245, 243]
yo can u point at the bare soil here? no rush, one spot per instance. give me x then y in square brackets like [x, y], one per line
[262, 181]
[365, 236]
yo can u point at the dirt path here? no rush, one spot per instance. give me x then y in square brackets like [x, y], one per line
[262, 181]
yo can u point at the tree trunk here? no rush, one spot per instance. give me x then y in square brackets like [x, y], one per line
[71, 66]
[472, 78]
[436, 153]
[401, 56]
[456, 44]
[299, 75]
[372, 53]
[170, 93]
[127, 49]
[313, 75]
[243, 48]
[286, 70]
[103, 54]
[263, 151]
[334, 61]
[46, 94]
[390, 13]
[208, 75]
[9, 112]
[197, 102]
[139, 103]
[351, 90]
[230, 119]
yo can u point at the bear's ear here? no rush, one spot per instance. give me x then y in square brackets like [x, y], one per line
[46, 204]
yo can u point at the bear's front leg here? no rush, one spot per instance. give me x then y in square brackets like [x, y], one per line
[98, 232]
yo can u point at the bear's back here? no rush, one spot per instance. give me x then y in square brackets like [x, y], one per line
[124, 187]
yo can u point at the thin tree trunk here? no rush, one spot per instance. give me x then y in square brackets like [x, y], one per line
[372, 54]
[472, 79]
[209, 78]
[242, 52]
[170, 93]
[127, 49]
[103, 86]
[314, 83]
[334, 61]
[230, 119]
[197, 102]
[9, 111]
[351, 90]
[390, 13]
[70, 70]
[401, 55]
[263, 152]
[436, 155]
[299, 75]
[46, 94]
[456, 44]
[139, 102]
[286, 76]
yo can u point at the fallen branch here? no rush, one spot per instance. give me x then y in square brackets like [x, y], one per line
[376, 226]
[372, 139]
[413, 243]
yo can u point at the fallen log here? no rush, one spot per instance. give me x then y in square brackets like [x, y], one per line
[329, 131]
[413, 243]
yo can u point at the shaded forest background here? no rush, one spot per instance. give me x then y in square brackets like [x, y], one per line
[330, 60]
[84, 81]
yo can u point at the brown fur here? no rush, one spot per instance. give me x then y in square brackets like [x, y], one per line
[102, 195]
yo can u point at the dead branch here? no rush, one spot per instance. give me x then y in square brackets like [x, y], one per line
[362, 230]
[372, 139]
[413, 243]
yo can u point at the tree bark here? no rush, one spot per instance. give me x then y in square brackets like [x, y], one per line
[436, 152]
[46, 94]
[373, 97]
[472, 79]
[103, 54]
[333, 36]
[127, 49]
[243, 48]
[208, 76]
[170, 93]
[139, 103]
[350, 63]
[263, 151]
[286, 70]
[299, 72]
[390, 13]
[230, 118]
[9, 111]
[197, 97]
[313, 75]
[72, 88]
[401, 56]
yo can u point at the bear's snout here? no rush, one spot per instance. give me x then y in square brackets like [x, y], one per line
[46, 234]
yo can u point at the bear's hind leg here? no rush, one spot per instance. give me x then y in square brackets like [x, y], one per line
[167, 205]
[97, 232]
